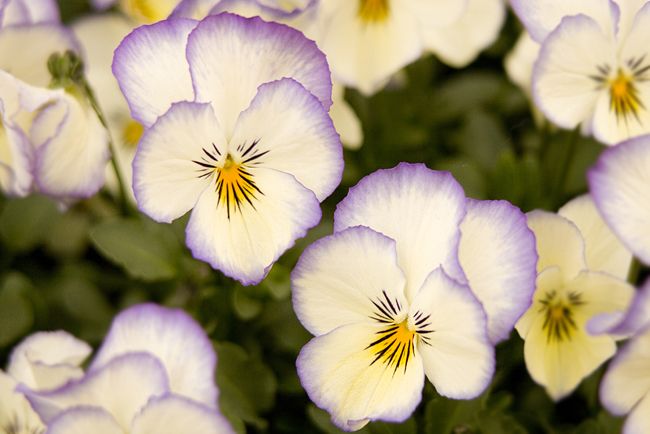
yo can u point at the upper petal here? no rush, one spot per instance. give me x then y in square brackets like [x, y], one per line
[83, 420]
[457, 354]
[637, 317]
[295, 133]
[174, 414]
[17, 12]
[497, 252]
[419, 208]
[339, 277]
[151, 68]
[338, 373]
[603, 251]
[175, 338]
[619, 185]
[243, 234]
[559, 243]
[230, 56]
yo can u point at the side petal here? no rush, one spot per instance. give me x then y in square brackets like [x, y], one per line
[421, 209]
[230, 56]
[559, 243]
[167, 168]
[122, 387]
[345, 119]
[563, 87]
[339, 277]
[21, 12]
[626, 381]
[338, 373]
[637, 317]
[519, 62]
[602, 293]
[174, 414]
[83, 420]
[244, 242]
[295, 133]
[497, 252]
[151, 69]
[638, 422]
[603, 251]
[619, 185]
[71, 149]
[460, 42]
[46, 360]
[175, 338]
[542, 16]
[457, 354]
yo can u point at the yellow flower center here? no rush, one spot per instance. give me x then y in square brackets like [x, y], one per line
[131, 133]
[147, 11]
[624, 96]
[235, 186]
[559, 322]
[374, 11]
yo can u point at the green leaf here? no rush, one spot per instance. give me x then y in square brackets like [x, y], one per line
[16, 312]
[146, 250]
[24, 223]
[482, 138]
[68, 235]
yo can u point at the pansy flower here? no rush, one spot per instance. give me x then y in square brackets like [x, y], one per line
[255, 153]
[153, 374]
[606, 89]
[21, 12]
[416, 280]
[582, 270]
[42, 361]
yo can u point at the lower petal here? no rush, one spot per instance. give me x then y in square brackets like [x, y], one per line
[638, 422]
[244, 239]
[339, 375]
[84, 420]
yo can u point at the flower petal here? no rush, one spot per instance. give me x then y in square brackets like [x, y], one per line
[542, 16]
[122, 387]
[151, 69]
[337, 372]
[345, 119]
[638, 422]
[175, 338]
[559, 243]
[167, 179]
[520, 60]
[619, 185]
[604, 252]
[497, 252]
[230, 56]
[83, 420]
[71, 149]
[296, 133]
[20, 12]
[460, 42]
[46, 360]
[637, 317]
[245, 243]
[602, 293]
[562, 85]
[15, 407]
[458, 356]
[338, 278]
[419, 208]
[174, 414]
[626, 381]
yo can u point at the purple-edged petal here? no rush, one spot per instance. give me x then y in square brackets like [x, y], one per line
[338, 373]
[540, 17]
[84, 420]
[458, 356]
[46, 360]
[37, 43]
[102, 4]
[71, 149]
[151, 69]
[620, 186]
[122, 387]
[339, 277]
[627, 381]
[296, 134]
[167, 179]
[559, 243]
[174, 414]
[243, 240]
[17, 12]
[563, 87]
[16, 408]
[638, 422]
[175, 338]
[497, 252]
[419, 208]
[603, 251]
[637, 316]
[231, 56]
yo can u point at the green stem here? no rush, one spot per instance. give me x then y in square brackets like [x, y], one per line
[634, 271]
[566, 166]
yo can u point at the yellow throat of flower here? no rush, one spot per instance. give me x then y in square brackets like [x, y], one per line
[394, 346]
[235, 186]
[374, 11]
[624, 96]
[559, 316]
[131, 133]
[147, 11]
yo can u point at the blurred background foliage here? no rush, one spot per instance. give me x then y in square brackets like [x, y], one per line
[75, 269]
